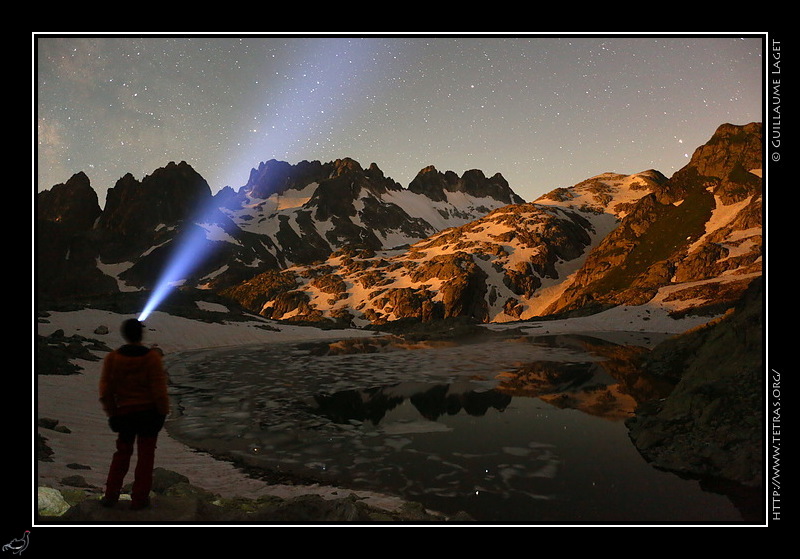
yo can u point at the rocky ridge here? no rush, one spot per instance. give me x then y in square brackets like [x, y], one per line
[284, 215]
[337, 243]
[477, 270]
[689, 243]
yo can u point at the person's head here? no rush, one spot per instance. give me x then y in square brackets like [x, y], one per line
[132, 331]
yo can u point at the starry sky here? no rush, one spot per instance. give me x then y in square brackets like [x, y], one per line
[545, 111]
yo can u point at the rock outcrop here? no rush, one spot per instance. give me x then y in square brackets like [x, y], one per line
[702, 225]
[72, 205]
[135, 209]
[65, 255]
[711, 423]
[435, 185]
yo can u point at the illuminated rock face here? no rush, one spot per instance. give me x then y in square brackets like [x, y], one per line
[689, 243]
[702, 225]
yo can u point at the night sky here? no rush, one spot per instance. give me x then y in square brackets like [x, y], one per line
[544, 111]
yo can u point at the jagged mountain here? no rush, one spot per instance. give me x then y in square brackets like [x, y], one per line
[504, 266]
[312, 209]
[316, 241]
[66, 257]
[85, 251]
[285, 215]
[692, 241]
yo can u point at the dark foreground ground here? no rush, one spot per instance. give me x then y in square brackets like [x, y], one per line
[176, 501]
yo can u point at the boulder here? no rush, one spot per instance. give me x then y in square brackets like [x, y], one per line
[50, 502]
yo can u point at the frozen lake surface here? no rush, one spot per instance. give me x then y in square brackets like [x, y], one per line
[514, 429]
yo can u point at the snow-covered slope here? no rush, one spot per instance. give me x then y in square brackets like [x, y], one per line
[507, 265]
[609, 240]
[424, 216]
[301, 213]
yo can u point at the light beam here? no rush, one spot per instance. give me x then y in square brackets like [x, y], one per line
[191, 248]
[317, 89]
[305, 99]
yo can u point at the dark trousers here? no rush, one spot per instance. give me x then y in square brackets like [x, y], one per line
[140, 428]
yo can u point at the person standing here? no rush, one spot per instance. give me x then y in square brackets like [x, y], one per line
[133, 394]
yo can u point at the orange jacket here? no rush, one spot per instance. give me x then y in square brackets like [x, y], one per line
[133, 378]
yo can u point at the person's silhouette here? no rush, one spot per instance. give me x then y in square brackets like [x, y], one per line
[133, 393]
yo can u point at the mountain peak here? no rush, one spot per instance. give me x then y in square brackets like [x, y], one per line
[276, 177]
[346, 165]
[436, 185]
[72, 204]
[730, 146]
[169, 195]
[725, 162]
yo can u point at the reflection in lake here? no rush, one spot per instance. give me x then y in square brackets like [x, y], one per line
[522, 430]
[431, 401]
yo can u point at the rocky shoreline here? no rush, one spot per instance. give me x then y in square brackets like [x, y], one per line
[176, 500]
[711, 426]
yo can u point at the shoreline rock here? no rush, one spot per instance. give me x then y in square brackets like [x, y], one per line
[710, 426]
[175, 499]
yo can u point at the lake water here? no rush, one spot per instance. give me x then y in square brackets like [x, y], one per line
[514, 429]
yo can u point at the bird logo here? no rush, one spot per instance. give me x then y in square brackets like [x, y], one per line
[17, 545]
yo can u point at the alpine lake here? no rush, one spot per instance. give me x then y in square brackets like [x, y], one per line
[518, 428]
